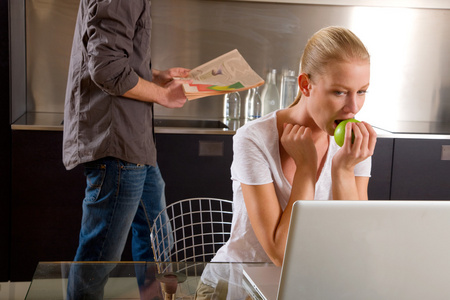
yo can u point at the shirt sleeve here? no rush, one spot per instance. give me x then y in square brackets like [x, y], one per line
[110, 31]
[364, 168]
[250, 163]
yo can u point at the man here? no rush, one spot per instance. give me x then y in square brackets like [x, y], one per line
[108, 127]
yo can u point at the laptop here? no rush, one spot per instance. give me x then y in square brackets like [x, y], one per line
[363, 250]
[261, 282]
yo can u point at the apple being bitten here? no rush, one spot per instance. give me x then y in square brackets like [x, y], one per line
[339, 132]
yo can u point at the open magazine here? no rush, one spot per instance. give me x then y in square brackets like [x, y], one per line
[224, 74]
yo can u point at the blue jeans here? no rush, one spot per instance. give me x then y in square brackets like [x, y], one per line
[119, 196]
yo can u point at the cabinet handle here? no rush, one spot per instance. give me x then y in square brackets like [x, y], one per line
[445, 154]
[210, 148]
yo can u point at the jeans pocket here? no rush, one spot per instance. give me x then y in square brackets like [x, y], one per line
[95, 176]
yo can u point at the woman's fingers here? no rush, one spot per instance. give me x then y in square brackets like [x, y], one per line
[360, 137]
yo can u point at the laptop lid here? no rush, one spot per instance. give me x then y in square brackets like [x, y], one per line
[367, 250]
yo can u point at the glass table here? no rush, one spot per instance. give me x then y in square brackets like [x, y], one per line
[139, 280]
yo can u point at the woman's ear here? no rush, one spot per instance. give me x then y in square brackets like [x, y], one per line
[303, 84]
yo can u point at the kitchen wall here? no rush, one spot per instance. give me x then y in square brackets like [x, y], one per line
[410, 79]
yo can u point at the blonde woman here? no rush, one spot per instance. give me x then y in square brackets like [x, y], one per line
[291, 155]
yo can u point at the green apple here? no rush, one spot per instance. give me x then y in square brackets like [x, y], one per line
[339, 132]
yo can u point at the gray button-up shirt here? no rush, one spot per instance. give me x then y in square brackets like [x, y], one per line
[111, 48]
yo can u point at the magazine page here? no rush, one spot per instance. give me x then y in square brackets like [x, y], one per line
[224, 74]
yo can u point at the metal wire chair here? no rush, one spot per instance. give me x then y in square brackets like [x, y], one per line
[193, 231]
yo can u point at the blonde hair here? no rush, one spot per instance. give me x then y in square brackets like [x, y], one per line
[330, 44]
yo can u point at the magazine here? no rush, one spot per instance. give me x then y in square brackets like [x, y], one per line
[224, 74]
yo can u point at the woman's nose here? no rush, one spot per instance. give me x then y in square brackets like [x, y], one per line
[351, 104]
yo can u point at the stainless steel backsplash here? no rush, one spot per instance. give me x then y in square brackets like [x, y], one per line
[410, 64]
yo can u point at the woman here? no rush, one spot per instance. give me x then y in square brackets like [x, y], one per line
[291, 155]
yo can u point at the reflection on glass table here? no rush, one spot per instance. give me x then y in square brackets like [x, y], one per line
[141, 280]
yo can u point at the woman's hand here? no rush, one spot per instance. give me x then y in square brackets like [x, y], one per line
[363, 146]
[298, 143]
[345, 185]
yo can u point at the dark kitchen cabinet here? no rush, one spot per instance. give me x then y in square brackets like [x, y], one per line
[380, 182]
[195, 165]
[46, 199]
[5, 148]
[418, 173]
[46, 202]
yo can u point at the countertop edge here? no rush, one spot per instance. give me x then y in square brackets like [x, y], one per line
[188, 130]
[161, 130]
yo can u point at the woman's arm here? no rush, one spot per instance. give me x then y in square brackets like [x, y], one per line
[269, 222]
[345, 185]
[350, 187]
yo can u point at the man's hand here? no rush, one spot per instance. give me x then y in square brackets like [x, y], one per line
[164, 89]
[162, 78]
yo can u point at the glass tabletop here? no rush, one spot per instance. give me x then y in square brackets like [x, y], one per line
[139, 280]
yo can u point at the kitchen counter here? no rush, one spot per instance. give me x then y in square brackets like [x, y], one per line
[170, 125]
[54, 122]
[418, 127]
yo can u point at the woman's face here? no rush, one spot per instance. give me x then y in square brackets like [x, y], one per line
[339, 93]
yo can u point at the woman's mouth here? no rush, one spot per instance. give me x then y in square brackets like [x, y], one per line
[336, 122]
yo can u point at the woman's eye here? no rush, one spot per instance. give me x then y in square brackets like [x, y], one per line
[362, 92]
[339, 93]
